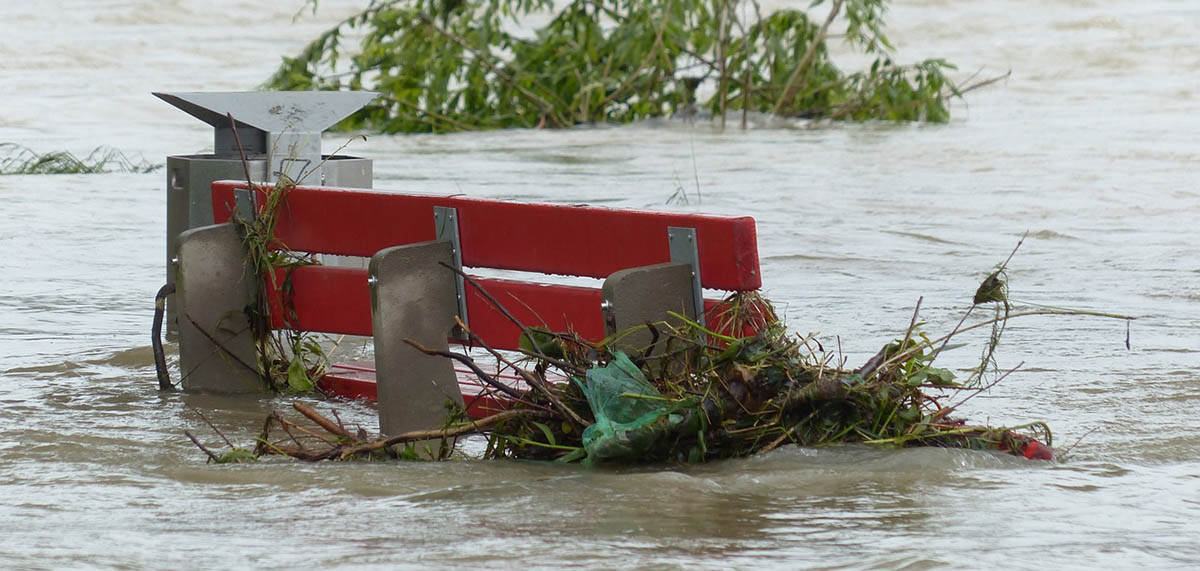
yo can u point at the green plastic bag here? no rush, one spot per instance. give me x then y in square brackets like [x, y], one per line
[631, 416]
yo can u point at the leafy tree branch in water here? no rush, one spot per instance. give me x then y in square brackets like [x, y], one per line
[451, 65]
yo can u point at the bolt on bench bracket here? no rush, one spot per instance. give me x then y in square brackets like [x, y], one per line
[445, 221]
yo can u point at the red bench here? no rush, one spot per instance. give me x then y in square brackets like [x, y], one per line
[632, 250]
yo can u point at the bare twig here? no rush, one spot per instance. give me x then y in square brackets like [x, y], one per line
[475, 427]
[943, 412]
[217, 346]
[529, 378]
[242, 151]
[288, 425]
[470, 363]
[1014, 251]
[1064, 452]
[912, 324]
[263, 437]
[983, 83]
[213, 427]
[904, 356]
[321, 421]
[525, 330]
[775, 443]
[211, 456]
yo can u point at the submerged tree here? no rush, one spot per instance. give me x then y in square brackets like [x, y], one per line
[447, 65]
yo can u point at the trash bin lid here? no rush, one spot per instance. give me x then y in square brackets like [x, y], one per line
[271, 111]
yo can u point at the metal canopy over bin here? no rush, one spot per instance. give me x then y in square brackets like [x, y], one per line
[280, 134]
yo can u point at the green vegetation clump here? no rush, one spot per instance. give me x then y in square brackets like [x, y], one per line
[290, 360]
[18, 159]
[451, 65]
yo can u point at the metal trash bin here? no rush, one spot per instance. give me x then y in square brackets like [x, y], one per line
[280, 134]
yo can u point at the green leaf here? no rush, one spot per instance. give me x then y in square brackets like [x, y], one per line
[543, 342]
[547, 432]
[297, 377]
[918, 378]
[941, 377]
[576, 454]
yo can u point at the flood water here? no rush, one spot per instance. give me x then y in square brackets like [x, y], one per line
[1090, 146]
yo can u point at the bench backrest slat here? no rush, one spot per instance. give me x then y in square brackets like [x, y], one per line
[545, 238]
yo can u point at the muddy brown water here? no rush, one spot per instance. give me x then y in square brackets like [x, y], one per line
[1090, 146]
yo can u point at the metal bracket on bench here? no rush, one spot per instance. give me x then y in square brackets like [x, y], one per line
[684, 250]
[445, 221]
[244, 207]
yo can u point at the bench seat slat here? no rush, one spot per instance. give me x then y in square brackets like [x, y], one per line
[357, 382]
[545, 238]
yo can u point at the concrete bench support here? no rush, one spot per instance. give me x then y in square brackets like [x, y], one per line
[215, 288]
[413, 297]
[637, 295]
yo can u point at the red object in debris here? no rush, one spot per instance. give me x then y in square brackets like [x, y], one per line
[1035, 450]
[350, 381]
[356, 381]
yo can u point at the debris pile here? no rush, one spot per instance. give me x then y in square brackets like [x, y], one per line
[696, 395]
[692, 394]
